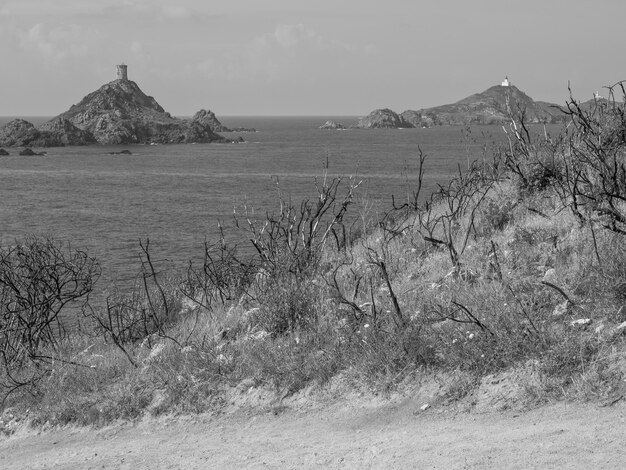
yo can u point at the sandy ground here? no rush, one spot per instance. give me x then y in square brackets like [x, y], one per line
[385, 436]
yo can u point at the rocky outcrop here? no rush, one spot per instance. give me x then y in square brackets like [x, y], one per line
[419, 118]
[17, 132]
[383, 119]
[61, 132]
[3, 153]
[20, 133]
[208, 118]
[121, 113]
[332, 125]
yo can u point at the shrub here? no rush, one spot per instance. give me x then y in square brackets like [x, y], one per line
[222, 278]
[287, 304]
[153, 304]
[292, 240]
[496, 214]
[42, 286]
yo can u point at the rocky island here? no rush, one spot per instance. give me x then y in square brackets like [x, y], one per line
[119, 112]
[333, 126]
[208, 118]
[383, 119]
[493, 106]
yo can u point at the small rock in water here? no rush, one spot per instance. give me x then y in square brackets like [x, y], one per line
[28, 152]
[332, 125]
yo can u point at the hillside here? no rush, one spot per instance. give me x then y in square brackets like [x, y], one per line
[492, 106]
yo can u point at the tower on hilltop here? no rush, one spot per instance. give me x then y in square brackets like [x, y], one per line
[505, 82]
[122, 72]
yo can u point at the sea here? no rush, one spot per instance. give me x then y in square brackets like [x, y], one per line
[177, 195]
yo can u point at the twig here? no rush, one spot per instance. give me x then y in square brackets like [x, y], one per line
[558, 289]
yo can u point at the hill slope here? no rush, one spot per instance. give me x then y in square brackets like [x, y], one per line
[492, 106]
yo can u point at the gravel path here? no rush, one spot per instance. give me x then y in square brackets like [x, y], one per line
[386, 437]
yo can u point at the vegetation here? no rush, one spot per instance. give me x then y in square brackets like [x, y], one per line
[518, 262]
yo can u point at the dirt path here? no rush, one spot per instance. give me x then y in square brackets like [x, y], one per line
[391, 436]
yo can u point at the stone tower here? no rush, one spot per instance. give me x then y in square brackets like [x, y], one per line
[122, 72]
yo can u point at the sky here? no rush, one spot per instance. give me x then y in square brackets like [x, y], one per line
[313, 57]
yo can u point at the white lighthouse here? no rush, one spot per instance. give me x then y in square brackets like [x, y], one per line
[506, 82]
[122, 72]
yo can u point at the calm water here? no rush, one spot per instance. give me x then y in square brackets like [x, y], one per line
[176, 194]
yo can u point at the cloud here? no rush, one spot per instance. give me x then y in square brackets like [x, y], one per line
[298, 36]
[137, 48]
[290, 36]
[30, 8]
[176, 12]
[153, 10]
[289, 51]
[57, 43]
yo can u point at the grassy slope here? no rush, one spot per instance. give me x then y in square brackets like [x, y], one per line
[508, 308]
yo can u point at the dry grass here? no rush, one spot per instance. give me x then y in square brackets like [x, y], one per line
[529, 282]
